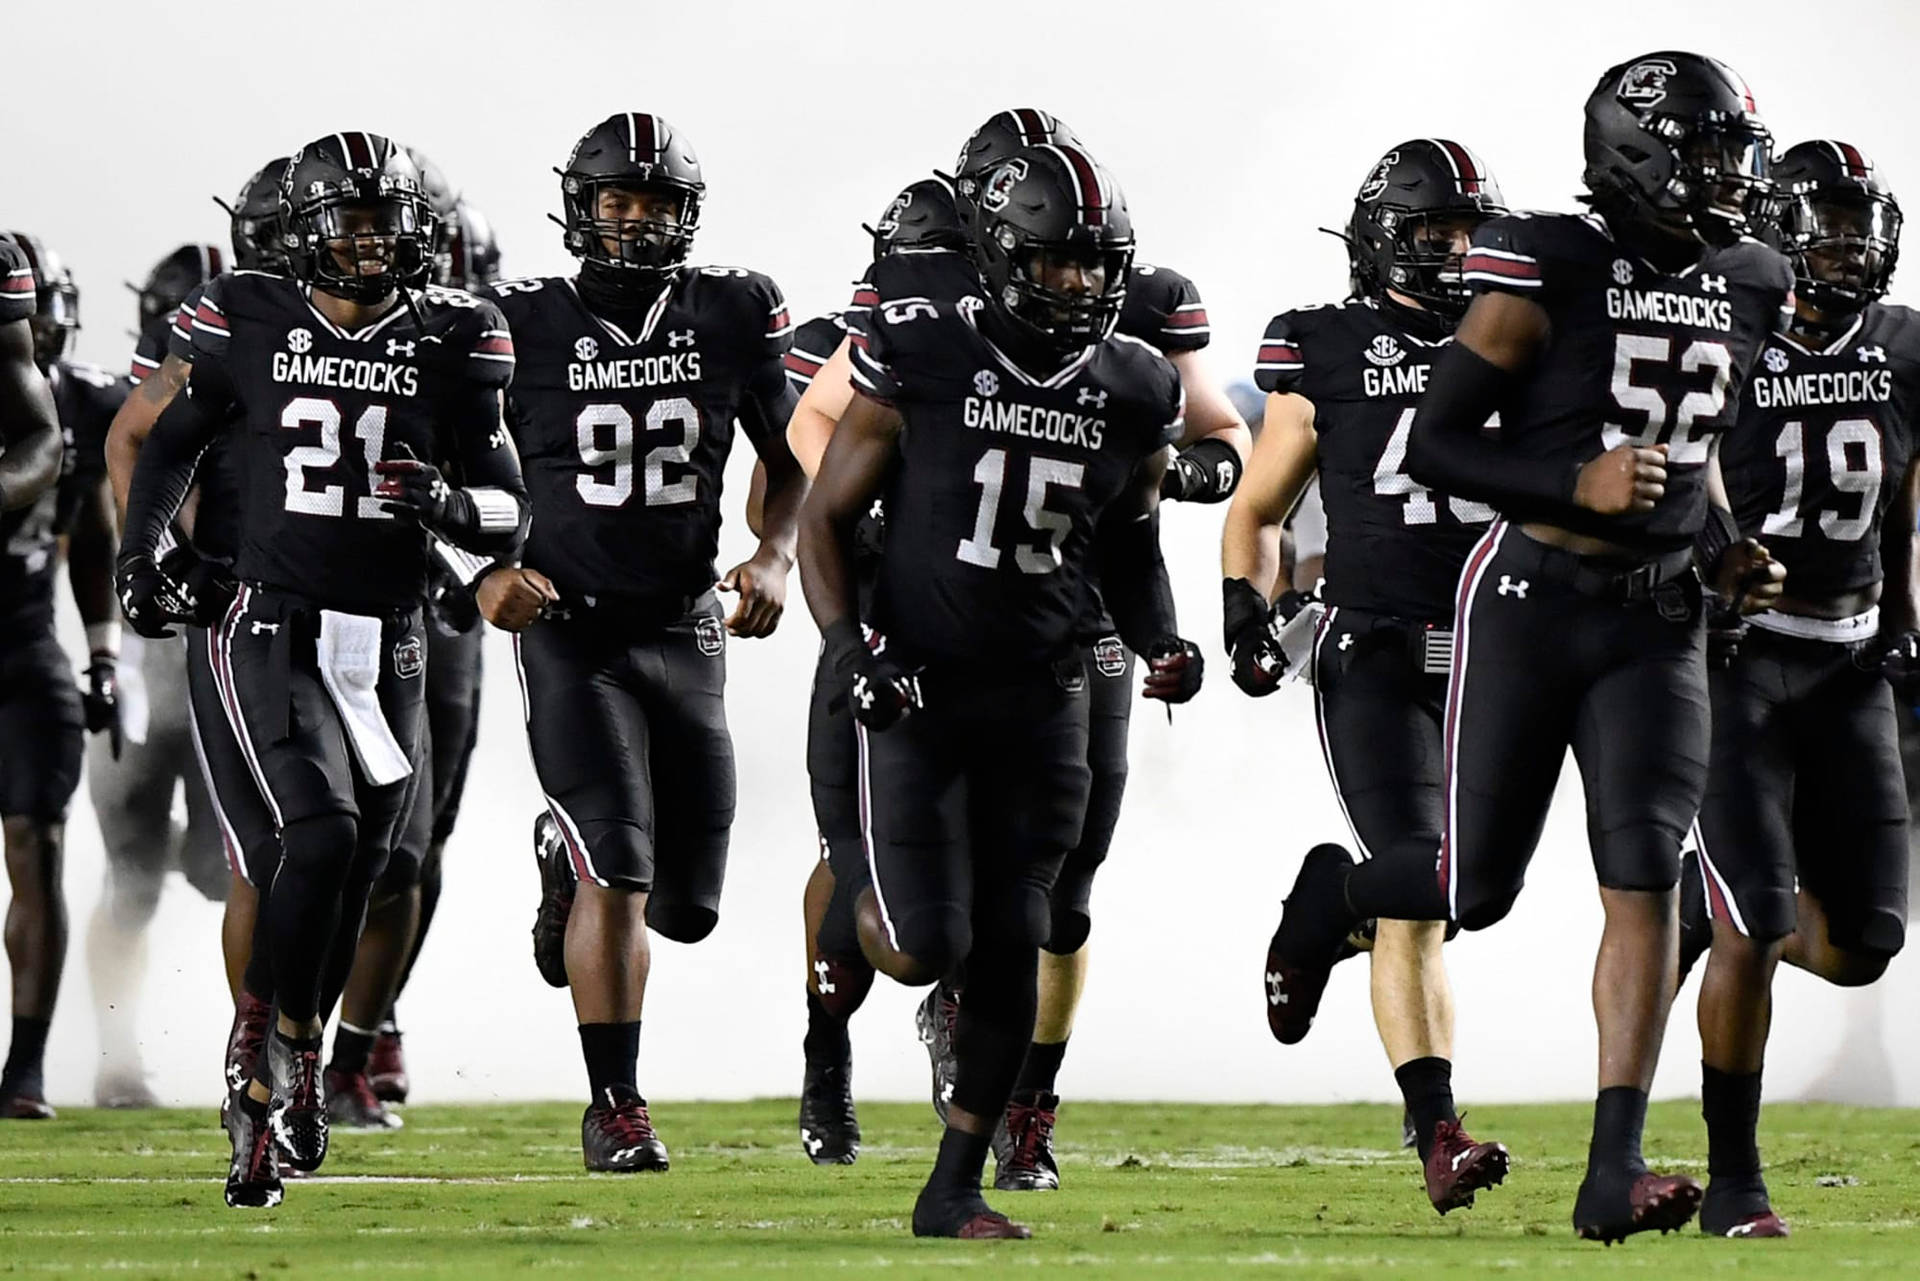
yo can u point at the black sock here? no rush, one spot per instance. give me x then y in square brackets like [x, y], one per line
[826, 1041]
[257, 1109]
[27, 1049]
[959, 1161]
[1730, 1104]
[1619, 1115]
[1042, 1065]
[612, 1052]
[351, 1045]
[1427, 1086]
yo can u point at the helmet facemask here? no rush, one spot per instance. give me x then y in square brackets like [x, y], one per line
[641, 227]
[359, 248]
[1843, 245]
[1066, 295]
[56, 320]
[1425, 251]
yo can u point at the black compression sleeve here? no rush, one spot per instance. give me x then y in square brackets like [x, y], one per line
[1133, 577]
[1447, 451]
[493, 522]
[172, 451]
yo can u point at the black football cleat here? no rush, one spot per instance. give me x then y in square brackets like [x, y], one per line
[1409, 1132]
[24, 1100]
[1613, 1206]
[253, 1176]
[557, 882]
[963, 1215]
[1300, 958]
[1738, 1206]
[829, 1129]
[299, 1101]
[1023, 1144]
[1696, 927]
[352, 1104]
[616, 1135]
[387, 1066]
[1457, 1167]
[934, 1022]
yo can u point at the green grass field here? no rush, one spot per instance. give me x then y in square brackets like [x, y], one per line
[1151, 1190]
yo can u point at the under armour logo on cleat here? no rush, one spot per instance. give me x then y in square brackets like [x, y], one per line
[679, 338]
[397, 348]
[822, 984]
[498, 440]
[1508, 587]
[1713, 284]
[270, 628]
[1274, 995]
[862, 691]
[1088, 396]
[812, 1144]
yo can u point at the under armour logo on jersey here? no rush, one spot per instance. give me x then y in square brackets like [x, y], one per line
[1713, 284]
[1346, 642]
[1775, 360]
[299, 340]
[585, 348]
[1510, 587]
[1873, 353]
[821, 983]
[986, 382]
[1274, 995]
[1089, 396]
[1622, 272]
[267, 628]
[679, 338]
[397, 348]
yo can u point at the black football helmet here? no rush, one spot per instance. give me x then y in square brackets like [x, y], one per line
[259, 243]
[1049, 206]
[1003, 134]
[473, 255]
[1400, 236]
[1836, 219]
[920, 217]
[173, 278]
[631, 150]
[56, 301]
[1674, 140]
[445, 203]
[357, 190]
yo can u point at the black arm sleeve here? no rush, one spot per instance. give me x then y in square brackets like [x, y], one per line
[767, 403]
[493, 521]
[171, 453]
[1133, 577]
[1446, 450]
[1207, 471]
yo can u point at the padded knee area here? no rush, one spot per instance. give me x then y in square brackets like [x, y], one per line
[401, 873]
[679, 920]
[1769, 915]
[1483, 910]
[320, 847]
[1876, 937]
[1640, 858]
[621, 854]
[937, 938]
[1069, 920]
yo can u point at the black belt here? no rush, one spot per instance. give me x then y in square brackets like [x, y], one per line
[288, 616]
[1601, 577]
[627, 613]
[1428, 643]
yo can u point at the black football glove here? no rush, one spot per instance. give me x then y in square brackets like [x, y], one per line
[148, 598]
[1253, 636]
[100, 700]
[418, 491]
[205, 586]
[1174, 670]
[1896, 657]
[879, 693]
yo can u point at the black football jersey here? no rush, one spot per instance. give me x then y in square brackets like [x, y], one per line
[1821, 446]
[16, 284]
[85, 397]
[310, 408]
[624, 436]
[1393, 546]
[1001, 479]
[1636, 355]
[813, 346]
[216, 512]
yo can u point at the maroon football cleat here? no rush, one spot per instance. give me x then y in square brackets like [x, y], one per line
[1615, 1207]
[616, 1135]
[248, 1034]
[25, 1103]
[1023, 1144]
[352, 1104]
[299, 1102]
[387, 1067]
[1764, 1224]
[1737, 1205]
[1458, 1167]
[963, 1216]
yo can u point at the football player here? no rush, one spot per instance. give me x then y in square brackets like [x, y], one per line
[1615, 345]
[968, 685]
[341, 389]
[633, 375]
[1161, 308]
[29, 424]
[1342, 384]
[471, 262]
[210, 524]
[1803, 834]
[42, 713]
[133, 795]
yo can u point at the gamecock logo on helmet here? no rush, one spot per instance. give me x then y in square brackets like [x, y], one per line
[999, 188]
[1645, 84]
[1377, 182]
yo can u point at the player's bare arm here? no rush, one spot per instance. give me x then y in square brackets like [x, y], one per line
[1743, 569]
[29, 426]
[134, 422]
[1279, 472]
[1216, 442]
[761, 580]
[821, 407]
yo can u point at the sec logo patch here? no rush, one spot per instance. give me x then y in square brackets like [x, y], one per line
[1109, 656]
[710, 635]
